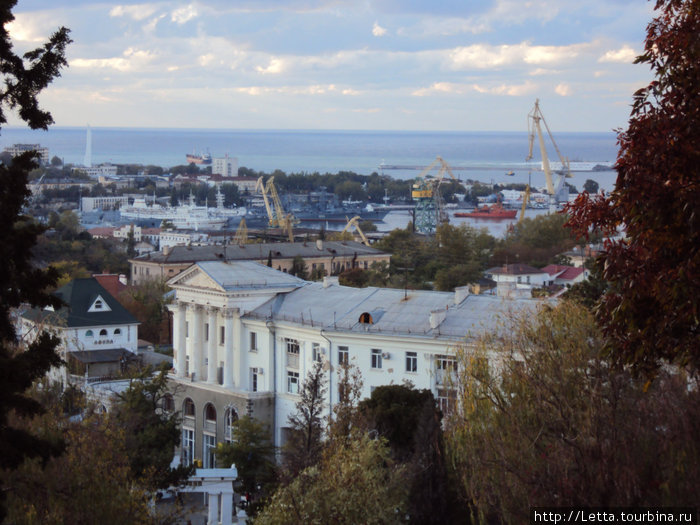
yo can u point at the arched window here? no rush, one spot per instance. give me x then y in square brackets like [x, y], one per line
[188, 407]
[366, 318]
[230, 419]
[117, 331]
[89, 334]
[209, 413]
[103, 332]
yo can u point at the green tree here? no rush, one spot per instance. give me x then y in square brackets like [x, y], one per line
[148, 303]
[252, 453]
[357, 483]
[590, 186]
[150, 433]
[649, 313]
[20, 281]
[298, 268]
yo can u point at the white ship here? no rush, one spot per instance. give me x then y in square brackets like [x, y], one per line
[183, 217]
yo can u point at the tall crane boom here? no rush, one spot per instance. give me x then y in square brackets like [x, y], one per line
[534, 128]
[355, 224]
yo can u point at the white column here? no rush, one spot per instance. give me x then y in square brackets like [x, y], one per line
[196, 342]
[238, 361]
[211, 350]
[213, 509]
[180, 339]
[226, 508]
[228, 346]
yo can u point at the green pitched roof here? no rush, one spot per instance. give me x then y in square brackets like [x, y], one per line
[80, 295]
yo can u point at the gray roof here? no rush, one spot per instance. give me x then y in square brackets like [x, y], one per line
[247, 275]
[281, 250]
[339, 308]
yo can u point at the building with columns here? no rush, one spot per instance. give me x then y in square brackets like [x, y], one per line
[246, 336]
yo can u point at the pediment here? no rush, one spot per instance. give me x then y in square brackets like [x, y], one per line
[194, 277]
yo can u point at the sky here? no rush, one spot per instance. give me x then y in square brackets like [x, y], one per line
[453, 65]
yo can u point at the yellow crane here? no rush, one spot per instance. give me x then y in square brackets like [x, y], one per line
[354, 222]
[534, 118]
[241, 236]
[276, 215]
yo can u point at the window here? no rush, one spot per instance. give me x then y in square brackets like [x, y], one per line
[103, 332]
[253, 342]
[376, 358]
[230, 419]
[98, 305]
[446, 400]
[253, 379]
[208, 450]
[117, 331]
[168, 403]
[222, 335]
[343, 355]
[445, 365]
[210, 413]
[411, 361]
[292, 353]
[206, 331]
[188, 408]
[187, 328]
[187, 446]
[89, 333]
[293, 382]
[316, 352]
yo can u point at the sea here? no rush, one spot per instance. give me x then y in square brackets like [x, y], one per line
[489, 157]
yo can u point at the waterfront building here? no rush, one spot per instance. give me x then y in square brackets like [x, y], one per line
[18, 149]
[94, 172]
[330, 257]
[225, 166]
[246, 336]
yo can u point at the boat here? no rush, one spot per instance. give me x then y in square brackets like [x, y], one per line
[184, 217]
[496, 211]
[202, 158]
[510, 173]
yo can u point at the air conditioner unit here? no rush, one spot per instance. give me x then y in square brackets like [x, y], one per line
[386, 355]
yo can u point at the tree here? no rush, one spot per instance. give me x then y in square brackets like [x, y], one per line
[649, 314]
[20, 281]
[298, 268]
[303, 447]
[590, 186]
[551, 420]
[150, 433]
[353, 483]
[252, 453]
[148, 303]
[56, 161]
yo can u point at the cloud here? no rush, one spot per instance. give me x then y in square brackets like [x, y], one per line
[183, 14]
[131, 60]
[624, 55]
[276, 65]
[378, 30]
[563, 90]
[137, 12]
[452, 88]
[484, 56]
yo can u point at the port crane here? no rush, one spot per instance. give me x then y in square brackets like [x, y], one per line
[430, 208]
[276, 215]
[241, 236]
[354, 222]
[534, 120]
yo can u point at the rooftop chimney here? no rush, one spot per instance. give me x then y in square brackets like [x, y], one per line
[319, 245]
[437, 317]
[166, 249]
[329, 280]
[461, 293]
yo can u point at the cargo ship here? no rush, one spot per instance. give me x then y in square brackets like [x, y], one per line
[497, 211]
[203, 158]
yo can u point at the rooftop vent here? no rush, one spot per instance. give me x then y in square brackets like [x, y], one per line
[319, 245]
[330, 280]
[437, 317]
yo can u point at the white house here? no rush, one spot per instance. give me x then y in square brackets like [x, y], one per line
[98, 335]
[518, 274]
[246, 336]
[566, 275]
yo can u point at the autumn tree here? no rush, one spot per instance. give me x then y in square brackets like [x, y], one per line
[543, 419]
[304, 444]
[649, 314]
[23, 78]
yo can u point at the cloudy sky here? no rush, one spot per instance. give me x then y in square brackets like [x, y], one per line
[343, 64]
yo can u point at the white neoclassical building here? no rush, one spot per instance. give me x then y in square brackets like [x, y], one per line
[246, 336]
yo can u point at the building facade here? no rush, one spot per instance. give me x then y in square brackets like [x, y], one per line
[225, 166]
[330, 257]
[246, 336]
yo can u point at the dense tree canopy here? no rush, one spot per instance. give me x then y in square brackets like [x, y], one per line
[650, 312]
[20, 281]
